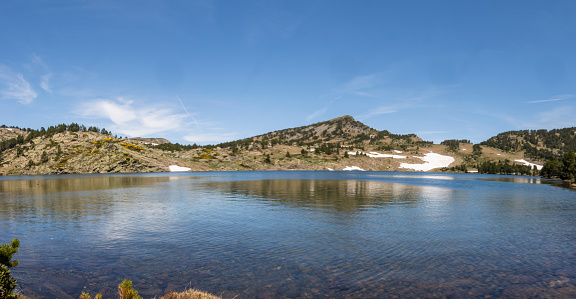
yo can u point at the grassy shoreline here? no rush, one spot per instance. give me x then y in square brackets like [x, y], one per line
[187, 294]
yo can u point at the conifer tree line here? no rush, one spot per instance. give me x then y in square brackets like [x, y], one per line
[505, 167]
[536, 144]
[564, 169]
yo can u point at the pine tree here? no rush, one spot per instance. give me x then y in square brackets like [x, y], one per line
[7, 283]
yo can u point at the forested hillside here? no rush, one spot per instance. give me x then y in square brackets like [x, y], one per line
[540, 145]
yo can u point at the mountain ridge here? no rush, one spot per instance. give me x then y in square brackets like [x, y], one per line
[340, 143]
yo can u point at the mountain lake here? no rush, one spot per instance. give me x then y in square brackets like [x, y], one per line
[301, 234]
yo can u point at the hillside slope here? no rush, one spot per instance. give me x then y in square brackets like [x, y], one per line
[68, 151]
[536, 144]
[344, 130]
[338, 144]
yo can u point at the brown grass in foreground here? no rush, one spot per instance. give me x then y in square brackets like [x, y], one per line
[190, 294]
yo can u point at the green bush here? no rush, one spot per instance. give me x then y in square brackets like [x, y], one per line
[7, 283]
[125, 291]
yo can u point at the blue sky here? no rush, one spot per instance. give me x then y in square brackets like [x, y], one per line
[204, 71]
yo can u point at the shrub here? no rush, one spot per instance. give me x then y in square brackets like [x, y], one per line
[7, 283]
[125, 291]
[87, 296]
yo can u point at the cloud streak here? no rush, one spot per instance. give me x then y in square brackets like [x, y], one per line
[379, 111]
[400, 104]
[554, 99]
[13, 86]
[45, 82]
[210, 138]
[357, 86]
[559, 117]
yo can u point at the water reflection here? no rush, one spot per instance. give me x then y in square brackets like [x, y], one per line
[342, 195]
[54, 184]
[274, 235]
[73, 196]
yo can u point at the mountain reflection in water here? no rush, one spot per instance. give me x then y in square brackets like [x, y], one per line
[292, 234]
[341, 195]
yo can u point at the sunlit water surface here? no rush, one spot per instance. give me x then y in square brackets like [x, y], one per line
[292, 234]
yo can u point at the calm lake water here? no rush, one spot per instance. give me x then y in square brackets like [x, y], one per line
[292, 234]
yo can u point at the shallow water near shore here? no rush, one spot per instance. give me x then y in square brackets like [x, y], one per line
[292, 234]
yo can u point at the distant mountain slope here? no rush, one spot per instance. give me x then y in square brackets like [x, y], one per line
[337, 144]
[536, 144]
[343, 130]
[77, 149]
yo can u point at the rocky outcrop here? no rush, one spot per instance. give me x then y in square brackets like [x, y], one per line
[84, 152]
[150, 141]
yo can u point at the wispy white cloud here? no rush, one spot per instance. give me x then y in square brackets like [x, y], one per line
[364, 94]
[562, 97]
[211, 138]
[398, 104]
[322, 110]
[378, 111]
[359, 84]
[559, 117]
[13, 86]
[317, 113]
[45, 82]
[556, 118]
[132, 119]
[36, 59]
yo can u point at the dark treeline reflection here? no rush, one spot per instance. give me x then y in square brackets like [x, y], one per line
[343, 195]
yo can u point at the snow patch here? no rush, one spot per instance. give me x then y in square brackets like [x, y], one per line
[9, 129]
[329, 169]
[352, 168]
[379, 155]
[526, 163]
[397, 151]
[432, 160]
[176, 168]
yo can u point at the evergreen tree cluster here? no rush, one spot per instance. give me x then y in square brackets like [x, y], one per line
[328, 148]
[564, 169]
[454, 144]
[176, 147]
[505, 167]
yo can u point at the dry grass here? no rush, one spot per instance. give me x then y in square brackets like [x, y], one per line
[190, 294]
